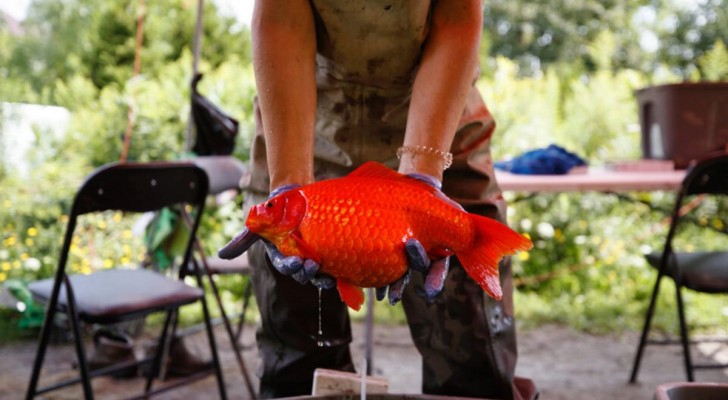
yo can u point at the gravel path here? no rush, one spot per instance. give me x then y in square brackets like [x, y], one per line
[564, 364]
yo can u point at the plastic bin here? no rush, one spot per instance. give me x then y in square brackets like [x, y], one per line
[691, 391]
[683, 122]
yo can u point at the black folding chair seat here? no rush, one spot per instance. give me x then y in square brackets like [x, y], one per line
[705, 271]
[117, 295]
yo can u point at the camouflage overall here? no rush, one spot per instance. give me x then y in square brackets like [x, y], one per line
[367, 57]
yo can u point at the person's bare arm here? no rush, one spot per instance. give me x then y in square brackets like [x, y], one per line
[284, 51]
[448, 67]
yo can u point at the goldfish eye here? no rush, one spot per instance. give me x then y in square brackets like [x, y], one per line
[269, 204]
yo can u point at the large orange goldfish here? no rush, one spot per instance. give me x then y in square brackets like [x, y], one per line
[356, 228]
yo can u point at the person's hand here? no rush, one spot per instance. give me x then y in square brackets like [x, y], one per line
[435, 271]
[300, 269]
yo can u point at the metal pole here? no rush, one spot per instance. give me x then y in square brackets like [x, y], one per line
[368, 332]
[196, 47]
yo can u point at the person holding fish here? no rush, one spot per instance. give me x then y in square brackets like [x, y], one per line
[345, 90]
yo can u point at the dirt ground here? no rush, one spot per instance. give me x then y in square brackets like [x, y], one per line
[564, 364]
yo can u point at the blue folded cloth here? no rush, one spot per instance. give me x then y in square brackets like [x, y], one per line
[553, 160]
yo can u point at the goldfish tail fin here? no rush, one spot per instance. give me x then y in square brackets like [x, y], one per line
[493, 241]
[350, 294]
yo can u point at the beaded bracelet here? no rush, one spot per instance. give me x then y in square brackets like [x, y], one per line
[418, 149]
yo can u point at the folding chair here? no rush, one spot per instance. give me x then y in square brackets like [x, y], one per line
[701, 271]
[224, 174]
[124, 294]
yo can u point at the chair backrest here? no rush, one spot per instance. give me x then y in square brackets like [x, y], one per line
[708, 176]
[223, 172]
[140, 187]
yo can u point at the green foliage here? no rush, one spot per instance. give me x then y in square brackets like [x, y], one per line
[714, 63]
[541, 33]
[687, 30]
[97, 40]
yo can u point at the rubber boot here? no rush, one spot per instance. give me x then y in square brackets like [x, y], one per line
[112, 348]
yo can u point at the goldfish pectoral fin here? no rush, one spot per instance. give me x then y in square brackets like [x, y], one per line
[304, 248]
[397, 288]
[350, 294]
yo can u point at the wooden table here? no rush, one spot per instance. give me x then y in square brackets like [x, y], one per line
[596, 180]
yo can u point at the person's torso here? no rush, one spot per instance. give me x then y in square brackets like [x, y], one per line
[368, 53]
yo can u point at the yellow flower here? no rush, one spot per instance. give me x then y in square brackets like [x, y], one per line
[125, 260]
[101, 224]
[32, 231]
[3, 276]
[523, 256]
[24, 256]
[126, 234]
[108, 263]
[5, 266]
[10, 241]
[718, 224]
[29, 242]
[117, 217]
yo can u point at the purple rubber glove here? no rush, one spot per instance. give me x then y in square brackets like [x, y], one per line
[417, 259]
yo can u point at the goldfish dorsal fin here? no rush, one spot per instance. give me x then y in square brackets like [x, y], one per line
[372, 169]
[375, 170]
[352, 295]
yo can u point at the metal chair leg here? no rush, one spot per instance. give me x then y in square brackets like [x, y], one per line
[45, 335]
[684, 338]
[160, 353]
[80, 351]
[223, 314]
[247, 292]
[211, 339]
[645, 329]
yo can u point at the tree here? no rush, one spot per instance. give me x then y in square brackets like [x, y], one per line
[537, 34]
[714, 63]
[96, 39]
[687, 33]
